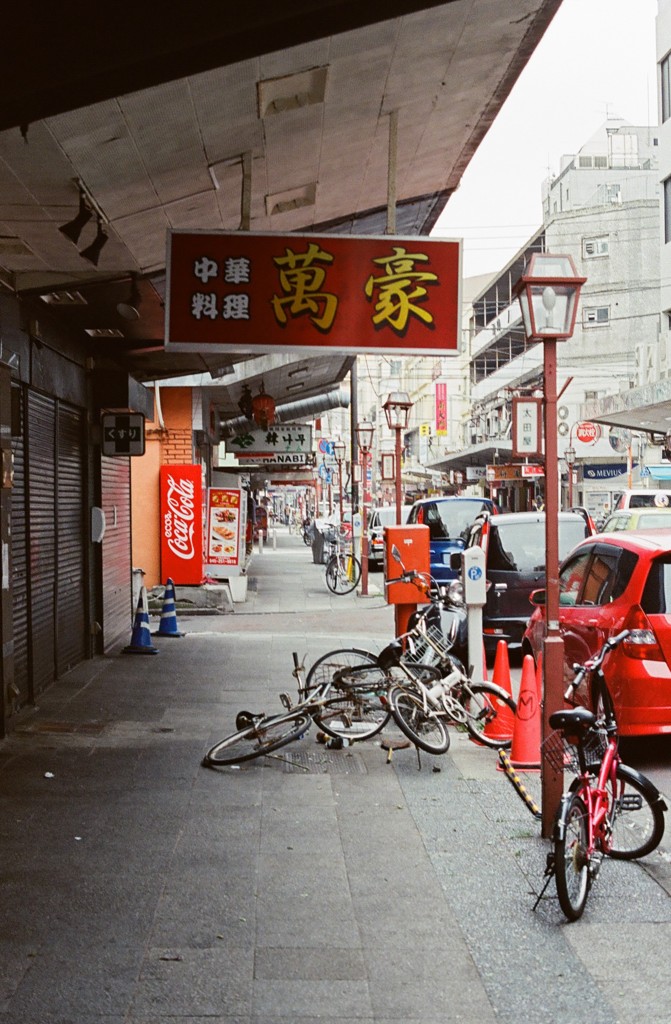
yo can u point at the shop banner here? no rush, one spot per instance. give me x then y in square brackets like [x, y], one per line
[280, 439]
[224, 537]
[441, 409]
[240, 291]
[181, 509]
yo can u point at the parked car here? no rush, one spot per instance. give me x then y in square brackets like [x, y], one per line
[449, 520]
[612, 582]
[514, 546]
[380, 517]
[638, 519]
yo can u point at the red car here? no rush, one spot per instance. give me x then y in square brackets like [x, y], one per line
[611, 582]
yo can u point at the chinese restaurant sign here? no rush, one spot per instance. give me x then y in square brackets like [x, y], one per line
[181, 505]
[241, 291]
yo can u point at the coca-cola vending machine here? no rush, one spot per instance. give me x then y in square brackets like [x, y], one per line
[182, 524]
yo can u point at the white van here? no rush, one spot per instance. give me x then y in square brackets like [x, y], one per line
[643, 497]
[380, 517]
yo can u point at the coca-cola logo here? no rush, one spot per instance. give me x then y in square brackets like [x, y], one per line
[179, 520]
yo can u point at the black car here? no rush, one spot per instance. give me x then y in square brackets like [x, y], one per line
[514, 546]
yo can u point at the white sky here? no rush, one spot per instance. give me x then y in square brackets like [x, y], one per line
[596, 60]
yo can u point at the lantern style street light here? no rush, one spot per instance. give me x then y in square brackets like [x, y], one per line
[569, 458]
[364, 436]
[339, 455]
[548, 294]
[397, 410]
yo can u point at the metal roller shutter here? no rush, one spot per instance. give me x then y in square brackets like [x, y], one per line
[117, 575]
[42, 538]
[20, 582]
[71, 581]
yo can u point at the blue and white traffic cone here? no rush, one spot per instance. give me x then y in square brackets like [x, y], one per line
[140, 641]
[168, 624]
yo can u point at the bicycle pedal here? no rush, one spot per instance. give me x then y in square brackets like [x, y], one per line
[286, 701]
[631, 802]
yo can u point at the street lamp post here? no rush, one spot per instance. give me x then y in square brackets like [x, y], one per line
[569, 458]
[397, 410]
[364, 435]
[548, 294]
[339, 454]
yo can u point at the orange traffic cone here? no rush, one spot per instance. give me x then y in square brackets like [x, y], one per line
[140, 641]
[525, 752]
[501, 673]
[502, 727]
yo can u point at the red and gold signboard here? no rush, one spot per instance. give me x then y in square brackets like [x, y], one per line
[181, 506]
[241, 291]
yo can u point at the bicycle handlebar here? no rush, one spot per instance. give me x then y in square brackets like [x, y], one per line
[592, 664]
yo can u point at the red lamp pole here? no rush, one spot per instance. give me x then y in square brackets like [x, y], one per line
[364, 432]
[548, 293]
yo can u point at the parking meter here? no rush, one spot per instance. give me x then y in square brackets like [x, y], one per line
[474, 580]
[474, 576]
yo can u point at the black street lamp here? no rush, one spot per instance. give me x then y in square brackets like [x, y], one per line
[397, 410]
[548, 294]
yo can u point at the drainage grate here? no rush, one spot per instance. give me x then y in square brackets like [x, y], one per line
[323, 762]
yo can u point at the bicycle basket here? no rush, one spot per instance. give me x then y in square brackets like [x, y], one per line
[425, 646]
[563, 756]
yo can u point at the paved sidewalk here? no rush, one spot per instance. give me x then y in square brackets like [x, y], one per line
[326, 885]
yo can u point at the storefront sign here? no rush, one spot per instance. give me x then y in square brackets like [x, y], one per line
[291, 437]
[603, 472]
[181, 509]
[587, 433]
[500, 474]
[530, 472]
[238, 291]
[441, 409]
[527, 433]
[123, 434]
[277, 459]
[224, 536]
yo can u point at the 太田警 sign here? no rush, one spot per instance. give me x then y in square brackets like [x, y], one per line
[241, 290]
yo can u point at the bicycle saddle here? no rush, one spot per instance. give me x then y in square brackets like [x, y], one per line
[575, 720]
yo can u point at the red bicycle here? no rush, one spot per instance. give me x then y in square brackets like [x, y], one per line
[610, 809]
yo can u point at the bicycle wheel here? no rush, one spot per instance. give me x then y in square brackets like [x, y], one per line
[343, 572]
[572, 875]
[482, 704]
[261, 737]
[424, 728]
[358, 713]
[637, 823]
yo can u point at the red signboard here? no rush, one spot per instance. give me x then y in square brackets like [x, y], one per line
[441, 409]
[181, 505]
[588, 433]
[242, 290]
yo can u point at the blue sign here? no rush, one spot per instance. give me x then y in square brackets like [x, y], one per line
[592, 471]
[475, 572]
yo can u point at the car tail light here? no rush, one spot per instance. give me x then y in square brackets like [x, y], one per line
[641, 642]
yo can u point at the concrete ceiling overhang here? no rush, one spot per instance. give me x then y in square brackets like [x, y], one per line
[156, 114]
[478, 455]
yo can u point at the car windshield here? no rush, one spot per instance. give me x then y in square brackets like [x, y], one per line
[520, 547]
[448, 520]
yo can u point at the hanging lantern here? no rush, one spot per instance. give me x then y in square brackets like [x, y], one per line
[263, 409]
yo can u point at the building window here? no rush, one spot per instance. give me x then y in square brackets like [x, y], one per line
[593, 247]
[665, 68]
[596, 316]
